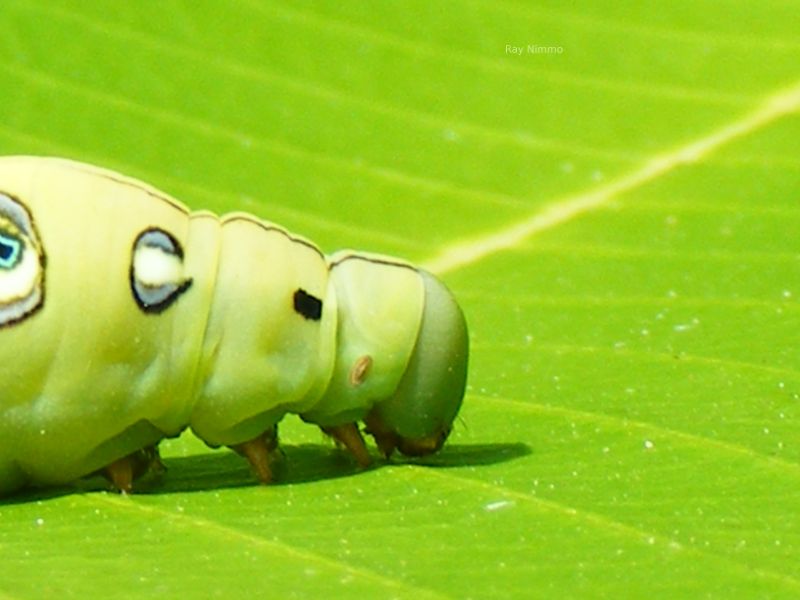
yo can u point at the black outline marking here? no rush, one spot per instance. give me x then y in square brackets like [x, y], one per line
[120, 178]
[248, 218]
[307, 305]
[377, 261]
[176, 249]
[158, 307]
[36, 239]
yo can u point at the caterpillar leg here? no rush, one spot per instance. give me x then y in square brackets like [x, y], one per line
[124, 471]
[258, 453]
[385, 438]
[350, 437]
[120, 474]
[388, 441]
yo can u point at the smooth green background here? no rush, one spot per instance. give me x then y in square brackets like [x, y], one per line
[631, 423]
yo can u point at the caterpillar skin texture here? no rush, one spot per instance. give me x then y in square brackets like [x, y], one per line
[125, 318]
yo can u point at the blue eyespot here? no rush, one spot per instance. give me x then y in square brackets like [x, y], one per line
[10, 251]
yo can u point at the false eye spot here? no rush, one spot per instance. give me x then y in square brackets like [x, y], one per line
[10, 251]
[360, 370]
[310, 307]
[156, 272]
[22, 263]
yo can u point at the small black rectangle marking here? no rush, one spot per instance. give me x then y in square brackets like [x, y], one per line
[307, 305]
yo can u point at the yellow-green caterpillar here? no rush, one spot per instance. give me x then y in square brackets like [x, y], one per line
[125, 318]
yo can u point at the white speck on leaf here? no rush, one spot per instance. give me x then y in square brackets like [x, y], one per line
[499, 504]
[648, 445]
[687, 326]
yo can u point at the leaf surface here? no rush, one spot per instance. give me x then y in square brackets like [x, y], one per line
[619, 219]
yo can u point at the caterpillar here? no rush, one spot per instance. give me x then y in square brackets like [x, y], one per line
[126, 318]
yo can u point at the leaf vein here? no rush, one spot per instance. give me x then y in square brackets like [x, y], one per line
[626, 424]
[646, 31]
[465, 253]
[606, 523]
[262, 74]
[205, 526]
[416, 47]
[274, 146]
[206, 192]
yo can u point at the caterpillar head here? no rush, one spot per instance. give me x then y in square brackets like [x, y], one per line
[416, 419]
[401, 358]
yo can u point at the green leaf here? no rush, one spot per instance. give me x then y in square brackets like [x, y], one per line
[619, 216]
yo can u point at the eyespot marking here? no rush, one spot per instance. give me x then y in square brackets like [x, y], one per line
[307, 305]
[22, 263]
[360, 370]
[156, 273]
[10, 251]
